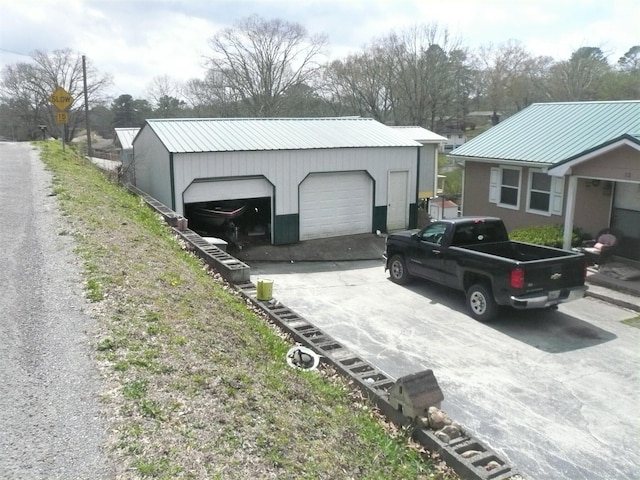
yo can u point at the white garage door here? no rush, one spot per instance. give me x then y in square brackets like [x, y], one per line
[211, 191]
[334, 204]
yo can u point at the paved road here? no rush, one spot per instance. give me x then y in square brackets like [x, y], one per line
[556, 393]
[50, 424]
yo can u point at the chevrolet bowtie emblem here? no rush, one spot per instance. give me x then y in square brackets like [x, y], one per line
[556, 276]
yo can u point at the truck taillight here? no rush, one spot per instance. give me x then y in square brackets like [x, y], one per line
[517, 278]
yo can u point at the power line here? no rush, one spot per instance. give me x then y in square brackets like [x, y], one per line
[15, 53]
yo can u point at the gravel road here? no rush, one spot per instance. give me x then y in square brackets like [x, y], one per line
[51, 426]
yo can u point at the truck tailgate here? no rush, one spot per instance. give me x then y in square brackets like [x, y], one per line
[554, 273]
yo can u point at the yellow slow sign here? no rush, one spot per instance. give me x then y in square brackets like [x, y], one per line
[61, 99]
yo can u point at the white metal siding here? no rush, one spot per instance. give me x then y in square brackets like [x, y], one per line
[287, 169]
[151, 163]
[333, 204]
[214, 190]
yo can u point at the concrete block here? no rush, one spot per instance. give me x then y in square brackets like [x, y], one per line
[216, 242]
[414, 394]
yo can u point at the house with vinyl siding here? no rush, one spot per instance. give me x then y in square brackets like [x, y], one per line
[576, 164]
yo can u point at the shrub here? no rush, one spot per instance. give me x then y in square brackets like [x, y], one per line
[548, 235]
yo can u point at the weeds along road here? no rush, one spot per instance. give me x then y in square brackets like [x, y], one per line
[50, 424]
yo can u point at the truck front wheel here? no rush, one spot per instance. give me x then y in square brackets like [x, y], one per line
[398, 270]
[481, 303]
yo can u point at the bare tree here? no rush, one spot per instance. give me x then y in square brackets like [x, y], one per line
[64, 68]
[511, 78]
[161, 87]
[24, 100]
[630, 61]
[422, 74]
[580, 77]
[30, 85]
[260, 60]
[361, 83]
[210, 97]
[463, 81]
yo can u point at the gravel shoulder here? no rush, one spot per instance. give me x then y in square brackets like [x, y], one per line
[50, 412]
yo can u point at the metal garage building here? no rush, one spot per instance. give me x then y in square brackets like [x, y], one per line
[431, 143]
[123, 141]
[314, 177]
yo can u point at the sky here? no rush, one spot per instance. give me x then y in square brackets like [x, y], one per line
[136, 41]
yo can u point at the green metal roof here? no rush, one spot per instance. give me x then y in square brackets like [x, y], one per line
[551, 133]
[185, 135]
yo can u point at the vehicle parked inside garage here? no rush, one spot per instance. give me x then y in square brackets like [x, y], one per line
[475, 255]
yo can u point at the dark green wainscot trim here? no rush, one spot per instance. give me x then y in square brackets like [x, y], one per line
[380, 218]
[286, 229]
[413, 215]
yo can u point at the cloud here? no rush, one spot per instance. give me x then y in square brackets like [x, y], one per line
[135, 41]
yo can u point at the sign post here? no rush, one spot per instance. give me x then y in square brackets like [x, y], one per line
[62, 99]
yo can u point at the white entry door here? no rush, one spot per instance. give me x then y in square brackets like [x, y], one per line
[398, 204]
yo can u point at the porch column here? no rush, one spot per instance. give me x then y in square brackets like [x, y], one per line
[569, 212]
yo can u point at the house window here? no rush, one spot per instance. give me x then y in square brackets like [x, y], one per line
[545, 193]
[539, 191]
[504, 187]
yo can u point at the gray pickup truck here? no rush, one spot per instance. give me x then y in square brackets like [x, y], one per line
[475, 255]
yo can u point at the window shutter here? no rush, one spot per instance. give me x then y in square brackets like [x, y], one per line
[557, 194]
[494, 185]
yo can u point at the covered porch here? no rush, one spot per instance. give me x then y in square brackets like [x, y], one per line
[603, 190]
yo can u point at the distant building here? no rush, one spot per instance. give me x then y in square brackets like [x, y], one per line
[440, 208]
[123, 142]
[454, 138]
[428, 171]
[484, 117]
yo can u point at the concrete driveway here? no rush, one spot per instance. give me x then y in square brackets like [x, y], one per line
[556, 393]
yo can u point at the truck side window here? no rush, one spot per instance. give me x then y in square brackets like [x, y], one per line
[433, 233]
[463, 236]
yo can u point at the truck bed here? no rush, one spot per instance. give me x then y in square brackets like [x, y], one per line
[545, 267]
[522, 252]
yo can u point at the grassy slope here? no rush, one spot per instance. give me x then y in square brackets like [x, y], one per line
[195, 382]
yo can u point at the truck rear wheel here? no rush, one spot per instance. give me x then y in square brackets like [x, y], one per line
[481, 303]
[398, 270]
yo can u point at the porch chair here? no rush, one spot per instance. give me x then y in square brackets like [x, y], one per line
[600, 249]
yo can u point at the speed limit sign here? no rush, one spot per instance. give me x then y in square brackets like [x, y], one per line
[62, 117]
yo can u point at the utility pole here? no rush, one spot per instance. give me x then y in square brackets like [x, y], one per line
[86, 106]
